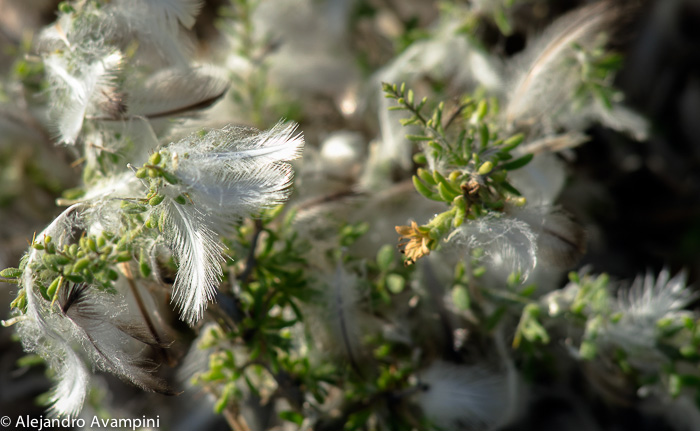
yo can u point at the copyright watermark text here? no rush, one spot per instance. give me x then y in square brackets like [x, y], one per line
[40, 423]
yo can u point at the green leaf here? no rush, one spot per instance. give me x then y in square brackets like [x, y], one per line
[385, 257]
[460, 296]
[512, 142]
[518, 163]
[11, 273]
[424, 190]
[395, 283]
[292, 416]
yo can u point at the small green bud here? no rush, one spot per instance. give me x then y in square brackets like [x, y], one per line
[481, 110]
[156, 200]
[20, 302]
[92, 245]
[124, 256]
[50, 248]
[446, 193]
[101, 241]
[155, 158]
[11, 273]
[142, 172]
[420, 159]
[426, 176]
[53, 287]
[519, 201]
[181, 200]
[152, 173]
[81, 264]
[512, 142]
[485, 168]
[162, 221]
[144, 267]
[422, 188]
[152, 221]
[172, 179]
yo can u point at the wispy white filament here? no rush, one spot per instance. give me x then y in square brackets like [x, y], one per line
[82, 89]
[463, 397]
[642, 306]
[509, 244]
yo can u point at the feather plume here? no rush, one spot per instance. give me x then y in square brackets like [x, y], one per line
[649, 300]
[199, 256]
[226, 174]
[157, 24]
[90, 90]
[509, 244]
[175, 91]
[463, 397]
[543, 84]
[87, 319]
[41, 333]
[105, 335]
[561, 241]
[344, 315]
[233, 172]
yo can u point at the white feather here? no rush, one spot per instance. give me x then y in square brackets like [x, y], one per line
[174, 11]
[173, 90]
[156, 23]
[641, 307]
[199, 257]
[40, 331]
[232, 172]
[343, 314]
[226, 174]
[542, 83]
[463, 397]
[83, 91]
[233, 144]
[509, 244]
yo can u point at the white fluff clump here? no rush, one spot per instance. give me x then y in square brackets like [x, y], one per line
[459, 397]
[82, 320]
[39, 334]
[157, 24]
[641, 307]
[509, 244]
[88, 89]
[543, 81]
[343, 314]
[175, 90]
[225, 174]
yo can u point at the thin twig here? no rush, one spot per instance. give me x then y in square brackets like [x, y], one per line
[126, 270]
[251, 261]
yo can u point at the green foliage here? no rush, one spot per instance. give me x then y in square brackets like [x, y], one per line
[467, 168]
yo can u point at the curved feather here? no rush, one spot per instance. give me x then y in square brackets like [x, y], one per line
[199, 256]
